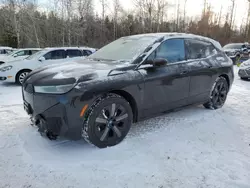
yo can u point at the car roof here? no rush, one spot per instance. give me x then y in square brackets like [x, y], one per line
[178, 35]
[61, 48]
[5, 47]
[28, 49]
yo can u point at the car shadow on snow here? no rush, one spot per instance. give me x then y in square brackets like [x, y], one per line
[41, 148]
[9, 84]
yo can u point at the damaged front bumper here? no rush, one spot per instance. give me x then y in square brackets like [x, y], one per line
[56, 115]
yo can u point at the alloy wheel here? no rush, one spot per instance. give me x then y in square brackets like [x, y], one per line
[22, 76]
[110, 123]
[220, 94]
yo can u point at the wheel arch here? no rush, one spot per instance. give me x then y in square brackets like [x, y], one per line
[20, 72]
[226, 77]
[127, 96]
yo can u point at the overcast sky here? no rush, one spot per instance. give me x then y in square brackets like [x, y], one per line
[194, 7]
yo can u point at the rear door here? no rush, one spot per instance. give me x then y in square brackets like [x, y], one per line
[71, 53]
[203, 68]
[167, 86]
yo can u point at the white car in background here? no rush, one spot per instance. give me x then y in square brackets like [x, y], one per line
[5, 50]
[244, 70]
[18, 55]
[15, 71]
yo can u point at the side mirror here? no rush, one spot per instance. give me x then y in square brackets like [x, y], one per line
[41, 59]
[15, 55]
[157, 62]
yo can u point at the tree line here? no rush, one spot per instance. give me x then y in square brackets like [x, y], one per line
[75, 23]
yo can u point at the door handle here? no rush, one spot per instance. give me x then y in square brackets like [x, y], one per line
[184, 72]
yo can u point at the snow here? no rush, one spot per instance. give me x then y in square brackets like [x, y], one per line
[191, 148]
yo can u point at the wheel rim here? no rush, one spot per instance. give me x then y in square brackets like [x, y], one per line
[220, 94]
[22, 76]
[111, 122]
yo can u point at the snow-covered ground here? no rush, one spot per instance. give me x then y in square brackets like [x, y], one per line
[191, 148]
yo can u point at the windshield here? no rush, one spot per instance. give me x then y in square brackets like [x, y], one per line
[126, 48]
[233, 46]
[35, 55]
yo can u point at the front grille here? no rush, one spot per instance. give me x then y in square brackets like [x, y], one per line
[29, 88]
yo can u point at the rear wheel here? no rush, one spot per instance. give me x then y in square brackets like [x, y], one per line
[218, 94]
[108, 121]
[21, 75]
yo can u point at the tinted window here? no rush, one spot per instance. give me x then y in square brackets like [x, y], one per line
[74, 53]
[172, 50]
[56, 54]
[86, 52]
[3, 52]
[34, 51]
[197, 49]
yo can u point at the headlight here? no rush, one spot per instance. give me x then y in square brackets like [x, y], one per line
[245, 64]
[60, 89]
[5, 68]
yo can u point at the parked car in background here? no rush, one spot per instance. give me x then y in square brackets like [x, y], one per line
[235, 51]
[244, 70]
[18, 55]
[87, 51]
[5, 50]
[15, 71]
[128, 80]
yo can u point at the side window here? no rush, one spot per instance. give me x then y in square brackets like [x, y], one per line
[74, 53]
[86, 52]
[33, 51]
[56, 54]
[197, 49]
[21, 53]
[172, 50]
[27, 52]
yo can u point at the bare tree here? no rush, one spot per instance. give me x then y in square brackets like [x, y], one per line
[117, 8]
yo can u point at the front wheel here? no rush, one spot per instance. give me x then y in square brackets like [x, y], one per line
[21, 75]
[218, 94]
[108, 121]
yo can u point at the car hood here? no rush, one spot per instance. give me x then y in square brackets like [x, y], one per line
[75, 71]
[231, 50]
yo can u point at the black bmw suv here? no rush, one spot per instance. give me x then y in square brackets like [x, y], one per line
[126, 81]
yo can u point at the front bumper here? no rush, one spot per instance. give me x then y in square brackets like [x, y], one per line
[6, 77]
[244, 73]
[56, 115]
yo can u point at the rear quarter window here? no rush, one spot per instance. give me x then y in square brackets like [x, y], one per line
[197, 49]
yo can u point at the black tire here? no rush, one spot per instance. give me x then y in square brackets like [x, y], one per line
[242, 78]
[102, 127]
[21, 75]
[218, 94]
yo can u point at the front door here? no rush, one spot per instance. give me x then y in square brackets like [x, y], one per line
[55, 56]
[167, 86]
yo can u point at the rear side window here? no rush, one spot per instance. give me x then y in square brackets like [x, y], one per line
[74, 53]
[172, 50]
[34, 51]
[56, 54]
[197, 49]
[86, 52]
